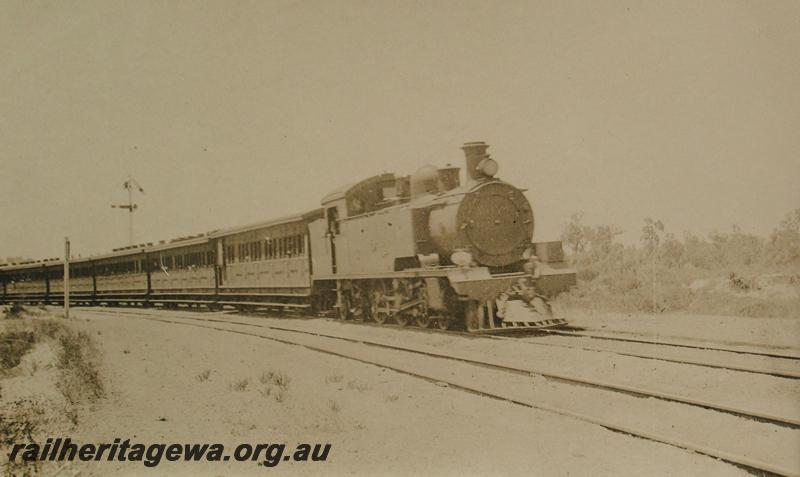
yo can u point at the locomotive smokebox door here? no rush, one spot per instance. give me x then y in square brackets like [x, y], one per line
[498, 223]
[493, 221]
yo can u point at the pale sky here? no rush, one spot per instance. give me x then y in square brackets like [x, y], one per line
[232, 112]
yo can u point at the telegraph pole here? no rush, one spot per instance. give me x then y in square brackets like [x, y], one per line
[66, 277]
[130, 206]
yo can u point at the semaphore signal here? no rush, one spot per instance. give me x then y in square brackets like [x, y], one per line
[129, 185]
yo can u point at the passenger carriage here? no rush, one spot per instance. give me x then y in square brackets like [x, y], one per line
[265, 264]
[182, 271]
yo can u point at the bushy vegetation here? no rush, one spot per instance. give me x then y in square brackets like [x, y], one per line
[13, 345]
[13, 311]
[20, 421]
[663, 272]
[79, 379]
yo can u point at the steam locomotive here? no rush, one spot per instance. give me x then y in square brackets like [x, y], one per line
[422, 249]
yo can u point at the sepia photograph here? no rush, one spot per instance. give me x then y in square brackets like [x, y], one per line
[399, 238]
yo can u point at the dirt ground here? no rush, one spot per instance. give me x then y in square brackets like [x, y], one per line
[379, 422]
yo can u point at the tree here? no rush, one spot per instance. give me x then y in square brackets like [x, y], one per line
[601, 238]
[575, 234]
[651, 235]
[784, 242]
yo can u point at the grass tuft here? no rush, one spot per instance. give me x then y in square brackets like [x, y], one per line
[202, 377]
[357, 385]
[277, 378]
[240, 385]
[334, 378]
[276, 384]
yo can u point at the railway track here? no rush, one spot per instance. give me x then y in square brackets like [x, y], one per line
[620, 409]
[667, 393]
[771, 364]
[747, 349]
[782, 366]
[766, 363]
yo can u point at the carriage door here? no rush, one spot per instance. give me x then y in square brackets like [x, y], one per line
[332, 216]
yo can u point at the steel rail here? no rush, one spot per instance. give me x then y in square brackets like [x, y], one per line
[752, 465]
[660, 357]
[672, 343]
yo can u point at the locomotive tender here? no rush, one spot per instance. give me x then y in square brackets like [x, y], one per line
[422, 248]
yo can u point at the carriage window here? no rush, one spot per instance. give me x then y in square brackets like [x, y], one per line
[302, 242]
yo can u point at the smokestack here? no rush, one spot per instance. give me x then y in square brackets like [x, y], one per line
[475, 152]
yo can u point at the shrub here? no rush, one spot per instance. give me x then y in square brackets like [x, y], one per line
[616, 277]
[13, 345]
[14, 311]
[80, 377]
